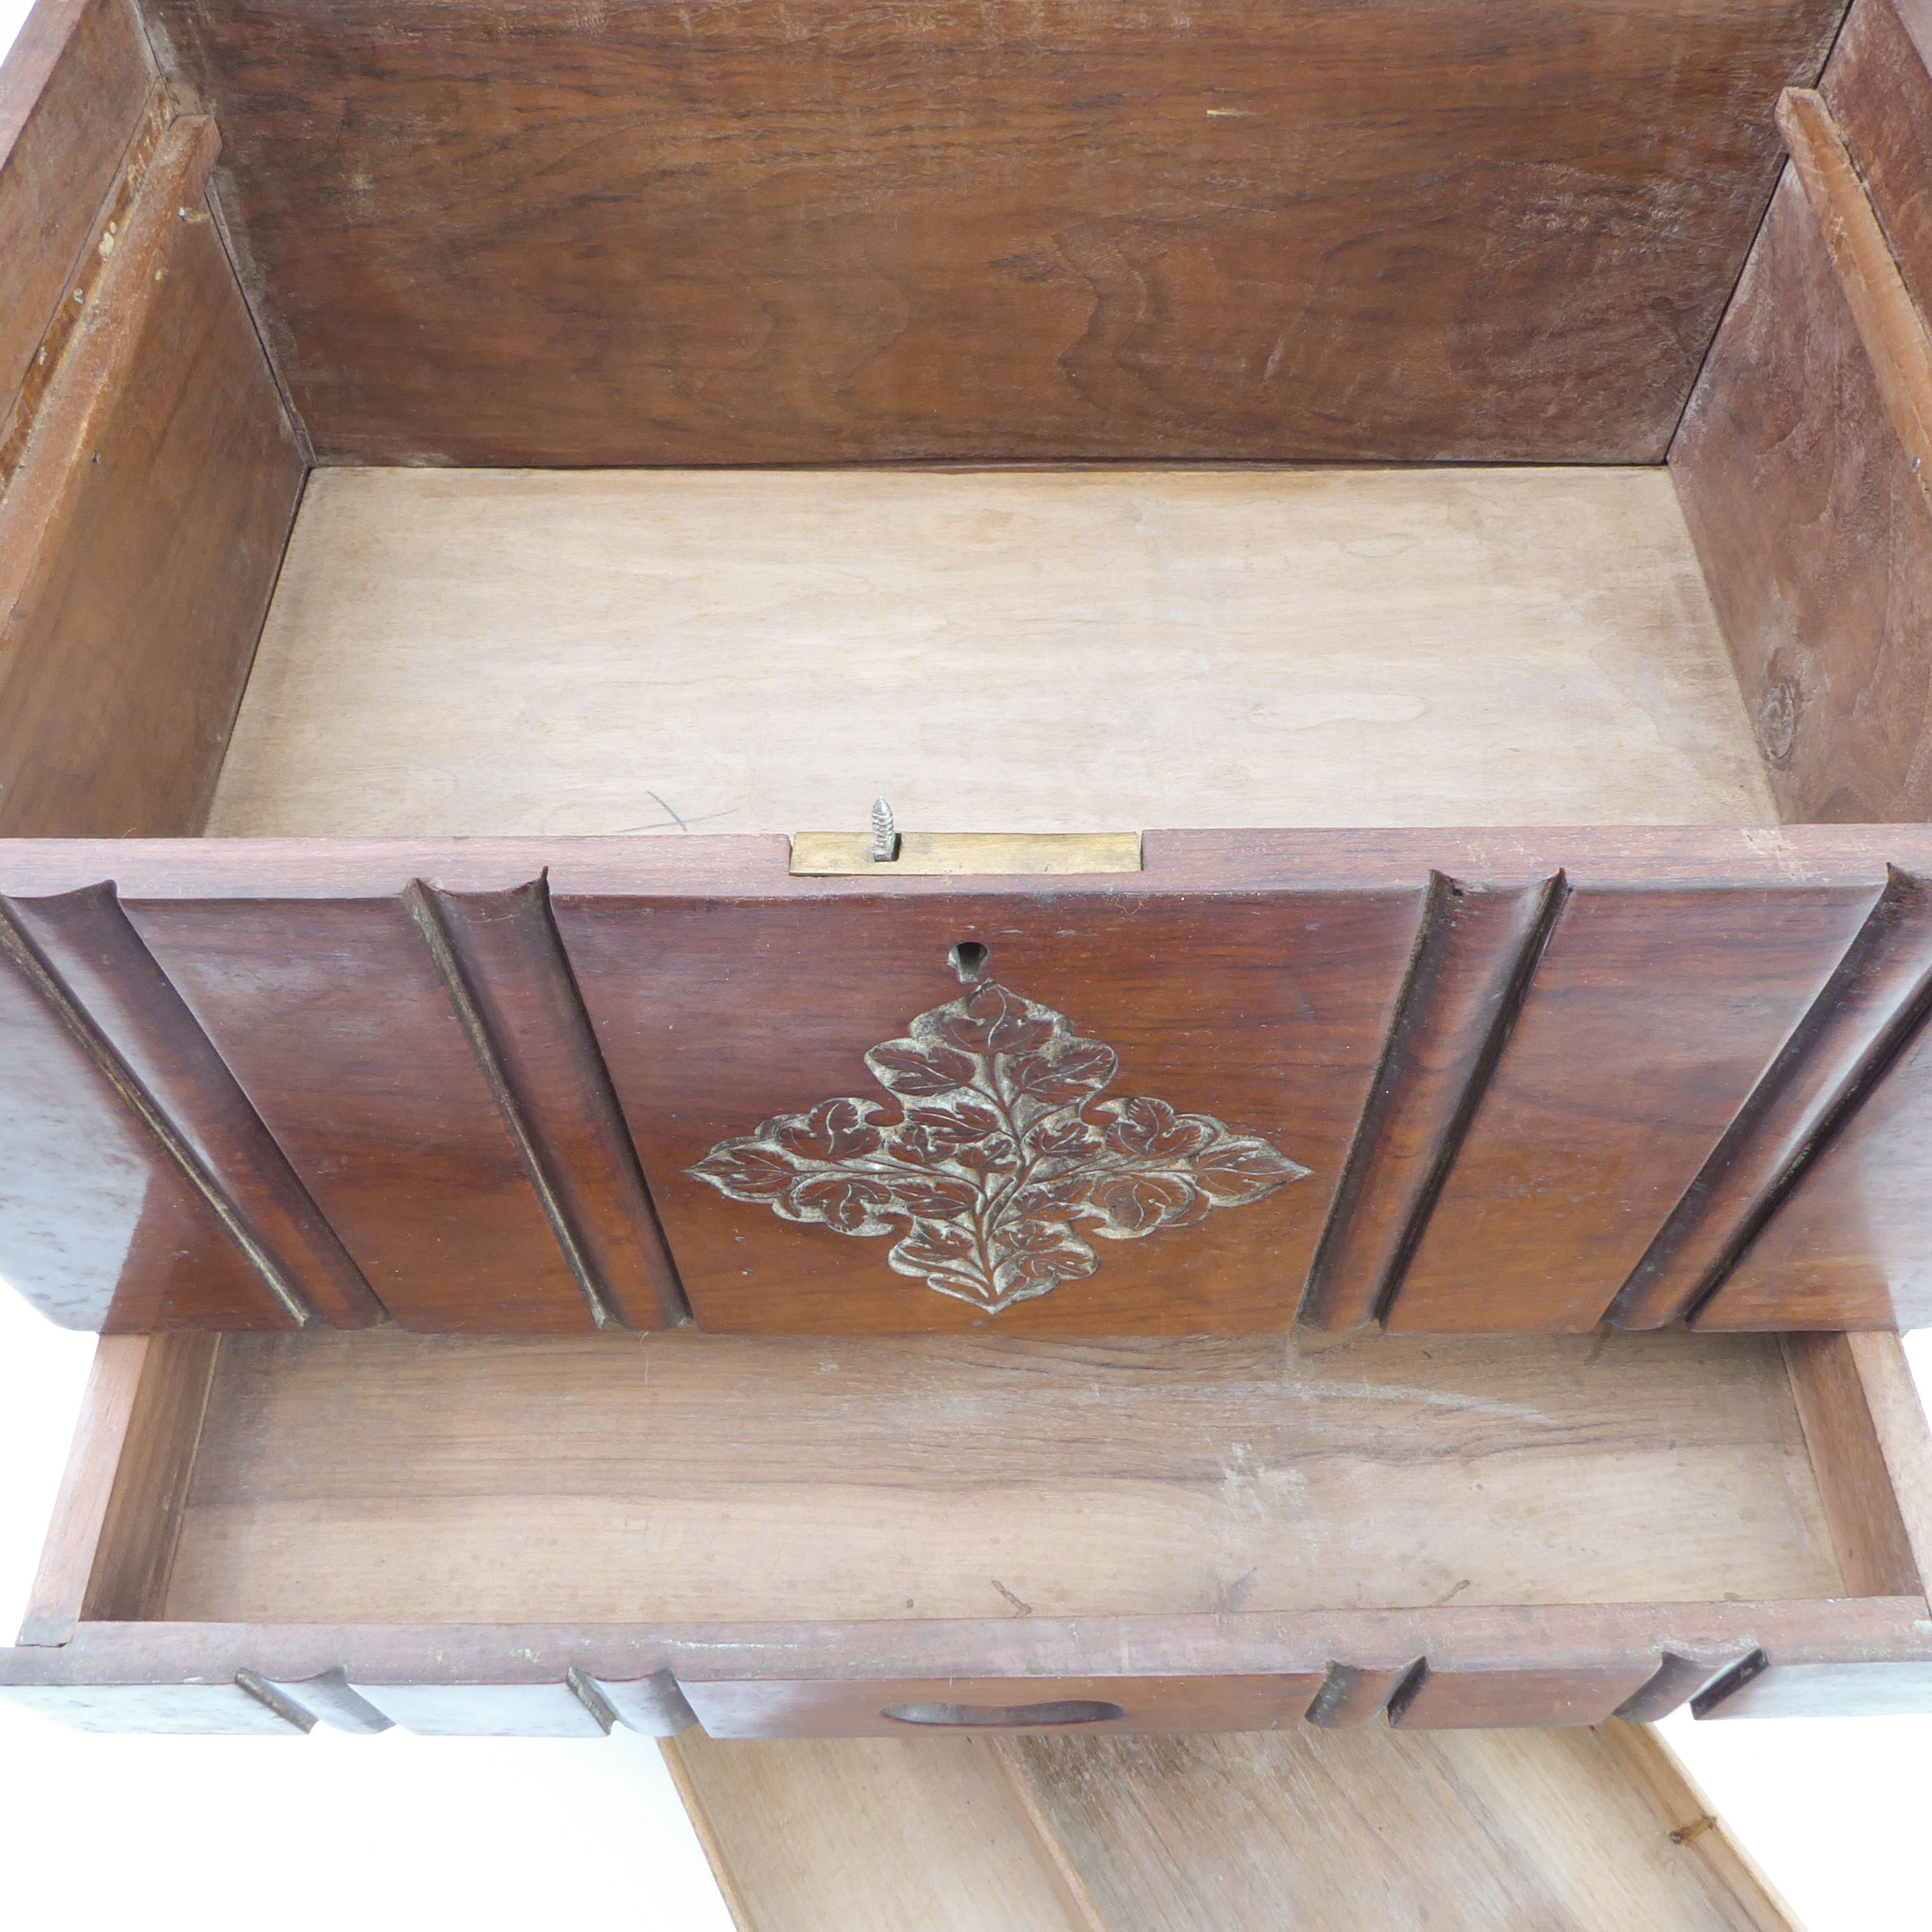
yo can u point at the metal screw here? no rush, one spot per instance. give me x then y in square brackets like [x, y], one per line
[885, 840]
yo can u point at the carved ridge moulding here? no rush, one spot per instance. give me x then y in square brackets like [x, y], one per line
[1002, 1160]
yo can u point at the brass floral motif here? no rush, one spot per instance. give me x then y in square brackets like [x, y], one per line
[994, 1155]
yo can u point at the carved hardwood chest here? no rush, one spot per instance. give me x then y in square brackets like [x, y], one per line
[1351, 1145]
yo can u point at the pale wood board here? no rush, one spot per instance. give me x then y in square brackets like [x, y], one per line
[377, 1476]
[1904, 1437]
[112, 1538]
[87, 1488]
[864, 1834]
[1517, 1831]
[1864, 1496]
[492, 651]
[1335, 1831]
[1691, 1823]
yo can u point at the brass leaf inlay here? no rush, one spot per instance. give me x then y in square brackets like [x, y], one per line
[1002, 1158]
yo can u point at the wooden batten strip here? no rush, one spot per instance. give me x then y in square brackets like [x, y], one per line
[1495, 1648]
[39, 499]
[678, 1765]
[71, 103]
[117, 1518]
[1868, 1012]
[72, 310]
[1904, 1438]
[1890, 327]
[19, 945]
[1049, 1846]
[1476, 951]
[511, 983]
[1686, 1815]
[170, 1071]
[1861, 1492]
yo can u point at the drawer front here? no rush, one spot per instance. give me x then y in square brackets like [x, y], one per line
[844, 1708]
[1361, 1078]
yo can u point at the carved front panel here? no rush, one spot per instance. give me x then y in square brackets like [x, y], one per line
[1133, 1124]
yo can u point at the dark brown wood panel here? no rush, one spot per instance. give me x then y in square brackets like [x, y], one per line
[341, 1032]
[844, 1707]
[72, 93]
[1473, 959]
[163, 1676]
[1486, 231]
[1815, 537]
[107, 1220]
[1632, 1054]
[1871, 1005]
[1879, 89]
[1890, 329]
[141, 534]
[1204, 1030]
[1262, 1015]
[504, 966]
[1851, 1247]
[86, 940]
[1441, 1700]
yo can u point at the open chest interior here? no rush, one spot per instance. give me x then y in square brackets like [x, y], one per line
[639, 428]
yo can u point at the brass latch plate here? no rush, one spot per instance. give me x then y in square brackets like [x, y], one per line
[825, 855]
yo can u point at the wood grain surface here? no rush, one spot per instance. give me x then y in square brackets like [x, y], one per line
[1475, 951]
[1878, 84]
[1708, 1003]
[653, 236]
[1816, 538]
[914, 1707]
[1518, 1700]
[1872, 1004]
[504, 967]
[73, 89]
[141, 532]
[1550, 1206]
[1848, 1248]
[869, 1835]
[1265, 1014]
[109, 1218]
[1510, 1829]
[687, 1478]
[112, 1541]
[341, 1032]
[98, 959]
[1873, 1651]
[767, 652]
[1891, 330]
[1856, 1481]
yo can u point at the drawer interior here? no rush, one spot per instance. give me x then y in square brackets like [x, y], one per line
[381, 1478]
[476, 651]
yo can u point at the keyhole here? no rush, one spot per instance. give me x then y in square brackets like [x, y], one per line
[968, 959]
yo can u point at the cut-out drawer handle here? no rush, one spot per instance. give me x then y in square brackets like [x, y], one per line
[1005, 1717]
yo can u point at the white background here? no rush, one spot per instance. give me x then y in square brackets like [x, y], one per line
[331, 1830]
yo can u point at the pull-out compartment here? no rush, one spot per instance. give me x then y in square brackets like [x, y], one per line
[787, 1537]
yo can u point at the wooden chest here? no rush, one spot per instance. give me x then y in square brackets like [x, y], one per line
[1353, 1143]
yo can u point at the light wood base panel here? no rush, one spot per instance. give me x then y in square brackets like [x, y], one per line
[375, 1477]
[521, 651]
[1322, 1831]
